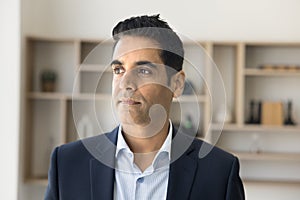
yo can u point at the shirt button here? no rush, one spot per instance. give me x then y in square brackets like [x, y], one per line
[140, 180]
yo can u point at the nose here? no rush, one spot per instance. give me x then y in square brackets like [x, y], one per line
[128, 81]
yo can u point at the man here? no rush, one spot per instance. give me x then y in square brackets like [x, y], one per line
[145, 157]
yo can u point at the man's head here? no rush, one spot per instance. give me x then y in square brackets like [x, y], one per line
[146, 76]
[154, 28]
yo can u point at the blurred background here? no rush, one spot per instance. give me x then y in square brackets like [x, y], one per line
[255, 44]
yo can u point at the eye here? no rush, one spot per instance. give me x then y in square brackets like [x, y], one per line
[144, 71]
[118, 70]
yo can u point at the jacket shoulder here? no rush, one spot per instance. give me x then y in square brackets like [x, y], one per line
[84, 147]
[205, 153]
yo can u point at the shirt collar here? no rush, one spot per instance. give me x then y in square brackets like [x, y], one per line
[166, 147]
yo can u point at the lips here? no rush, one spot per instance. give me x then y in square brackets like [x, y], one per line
[129, 101]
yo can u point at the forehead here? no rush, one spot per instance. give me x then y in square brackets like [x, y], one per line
[135, 44]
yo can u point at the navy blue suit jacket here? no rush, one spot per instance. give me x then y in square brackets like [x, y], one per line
[77, 174]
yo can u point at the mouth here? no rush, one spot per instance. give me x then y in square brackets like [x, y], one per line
[129, 101]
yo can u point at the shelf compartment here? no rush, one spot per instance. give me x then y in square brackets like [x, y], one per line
[58, 56]
[45, 133]
[273, 89]
[270, 170]
[89, 118]
[272, 54]
[96, 82]
[96, 52]
[180, 112]
[85, 116]
[72, 134]
[225, 58]
[259, 141]
[194, 66]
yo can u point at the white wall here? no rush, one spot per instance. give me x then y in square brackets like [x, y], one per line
[9, 101]
[200, 19]
[252, 20]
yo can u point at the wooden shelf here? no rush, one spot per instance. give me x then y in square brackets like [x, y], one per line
[273, 44]
[67, 96]
[38, 181]
[256, 182]
[268, 156]
[86, 96]
[36, 38]
[83, 96]
[260, 72]
[255, 128]
[46, 95]
[191, 98]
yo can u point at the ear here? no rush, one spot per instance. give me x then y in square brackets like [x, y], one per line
[177, 83]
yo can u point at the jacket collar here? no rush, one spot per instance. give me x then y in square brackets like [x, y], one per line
[102, 173]
[182, 168]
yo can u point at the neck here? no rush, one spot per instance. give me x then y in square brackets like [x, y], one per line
[141, 140]
[143, 145]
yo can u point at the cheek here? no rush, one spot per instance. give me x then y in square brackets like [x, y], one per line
[156, 94]
[115, 86]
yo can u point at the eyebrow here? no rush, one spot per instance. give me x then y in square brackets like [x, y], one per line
[145, 62]
[142, 62]
[116, 62]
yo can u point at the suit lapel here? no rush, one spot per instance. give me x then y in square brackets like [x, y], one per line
[102, 173]
[182, 170]
[102, 180]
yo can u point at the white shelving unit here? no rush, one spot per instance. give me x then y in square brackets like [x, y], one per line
[79, 63]
[267, 153]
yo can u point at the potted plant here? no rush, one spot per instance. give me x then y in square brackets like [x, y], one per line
[48, 80]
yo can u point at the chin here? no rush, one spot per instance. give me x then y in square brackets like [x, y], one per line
[135, 121]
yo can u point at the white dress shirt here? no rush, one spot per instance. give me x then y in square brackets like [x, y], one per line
[133, 184]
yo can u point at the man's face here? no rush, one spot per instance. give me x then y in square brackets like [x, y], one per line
[139, 81]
